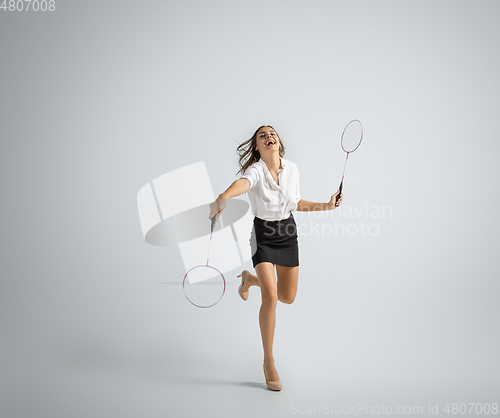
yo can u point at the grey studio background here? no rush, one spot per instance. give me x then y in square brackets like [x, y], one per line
[99, 98]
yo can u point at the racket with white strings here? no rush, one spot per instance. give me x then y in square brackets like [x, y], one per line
[204, 285]
[350, 142]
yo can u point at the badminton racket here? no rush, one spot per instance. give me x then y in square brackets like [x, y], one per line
[350, 142]
[204, 285]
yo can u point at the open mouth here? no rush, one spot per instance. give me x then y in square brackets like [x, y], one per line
[270, 142]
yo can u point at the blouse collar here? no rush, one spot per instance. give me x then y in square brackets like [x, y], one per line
[283, 163]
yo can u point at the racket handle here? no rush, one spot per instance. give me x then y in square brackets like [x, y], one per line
[213, 222]
[340, 190]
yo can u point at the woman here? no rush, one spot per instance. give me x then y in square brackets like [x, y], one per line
[272, 184]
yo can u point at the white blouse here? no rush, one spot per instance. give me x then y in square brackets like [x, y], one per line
[269, 200]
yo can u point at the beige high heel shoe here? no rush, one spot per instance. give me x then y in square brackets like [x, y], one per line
[243, 295]
[273, 384]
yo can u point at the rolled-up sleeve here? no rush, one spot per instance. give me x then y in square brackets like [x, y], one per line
[251, 174]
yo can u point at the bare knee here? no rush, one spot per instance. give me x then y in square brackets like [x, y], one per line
[269, 298]
[287, 299]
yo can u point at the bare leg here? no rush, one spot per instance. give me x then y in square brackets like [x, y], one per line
[266, 280]
[288, 278]
[284, 290]
[287, 282]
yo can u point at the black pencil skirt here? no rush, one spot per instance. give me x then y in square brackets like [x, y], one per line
[275, 242]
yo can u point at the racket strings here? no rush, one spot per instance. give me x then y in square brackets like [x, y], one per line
[352, 136]
[204, 286]
[201, 291]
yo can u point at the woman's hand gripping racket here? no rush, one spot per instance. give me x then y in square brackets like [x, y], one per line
[204, 285]
[350, 142]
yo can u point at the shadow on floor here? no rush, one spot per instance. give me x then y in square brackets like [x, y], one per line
[202, 381]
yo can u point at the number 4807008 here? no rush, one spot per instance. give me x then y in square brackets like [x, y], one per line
[26, 5]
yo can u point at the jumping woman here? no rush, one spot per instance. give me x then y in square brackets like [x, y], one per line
[272, 184]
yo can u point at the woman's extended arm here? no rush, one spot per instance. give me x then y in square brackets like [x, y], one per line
[306, 206]
[238, 187]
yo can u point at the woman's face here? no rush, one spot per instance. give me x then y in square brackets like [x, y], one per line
[267, 140]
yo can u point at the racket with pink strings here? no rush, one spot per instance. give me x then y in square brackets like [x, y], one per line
[204, 285]
[350, 142]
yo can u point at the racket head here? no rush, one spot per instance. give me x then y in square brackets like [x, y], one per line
[204, 286]
[352, 136]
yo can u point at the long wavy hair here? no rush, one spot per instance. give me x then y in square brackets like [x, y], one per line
[249, 155]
